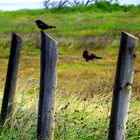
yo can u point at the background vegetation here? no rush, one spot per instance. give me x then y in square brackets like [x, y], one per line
[84, 90]
[94, 26]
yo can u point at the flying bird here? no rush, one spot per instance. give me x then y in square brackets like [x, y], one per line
[89, 56]
[43, 26]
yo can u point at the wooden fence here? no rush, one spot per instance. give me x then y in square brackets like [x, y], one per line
[48, 60]
[11, 78]
[123, 87]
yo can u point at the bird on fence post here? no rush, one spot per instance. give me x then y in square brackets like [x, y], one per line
[89, 56]
[43, 26]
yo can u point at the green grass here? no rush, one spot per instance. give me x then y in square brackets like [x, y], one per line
[84, 90]
[78, 27]
[83, 99]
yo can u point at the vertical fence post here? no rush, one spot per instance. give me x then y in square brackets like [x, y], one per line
[11, 78]
[45, 127]
[122, 87]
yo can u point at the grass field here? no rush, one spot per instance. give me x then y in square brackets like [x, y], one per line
[84, 90]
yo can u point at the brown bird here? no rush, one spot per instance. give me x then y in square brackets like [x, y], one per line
[89, 56]
[43, 26]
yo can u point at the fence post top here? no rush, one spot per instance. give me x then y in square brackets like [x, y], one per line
[15, 35]
[128, 34]
[45, 34]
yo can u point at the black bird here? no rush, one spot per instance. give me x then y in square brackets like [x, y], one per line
[89, 56]
[43, 26]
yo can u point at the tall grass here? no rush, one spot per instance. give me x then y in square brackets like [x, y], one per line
[83, 100]
[95, 26]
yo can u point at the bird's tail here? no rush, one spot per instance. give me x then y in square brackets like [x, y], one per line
[52, 27]
[97, 57]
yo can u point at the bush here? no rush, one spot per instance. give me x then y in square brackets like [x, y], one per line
[99, 6]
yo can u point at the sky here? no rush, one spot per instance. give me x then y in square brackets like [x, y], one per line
[37, 4]
[20, 4]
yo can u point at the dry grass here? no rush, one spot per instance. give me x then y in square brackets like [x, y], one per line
[83, 98]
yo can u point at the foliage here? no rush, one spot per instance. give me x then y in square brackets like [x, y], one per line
[99, 6]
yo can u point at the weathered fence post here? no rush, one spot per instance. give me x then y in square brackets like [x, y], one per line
[11, 78]
[122, 87]
[48, 58]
